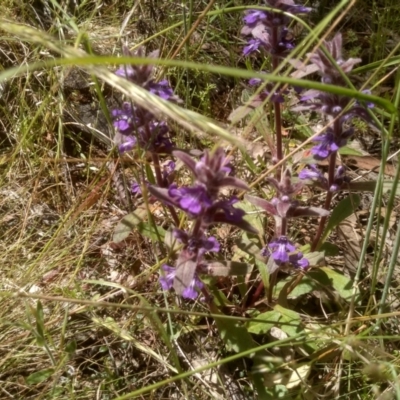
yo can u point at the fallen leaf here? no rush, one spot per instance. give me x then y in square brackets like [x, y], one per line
[368, 163]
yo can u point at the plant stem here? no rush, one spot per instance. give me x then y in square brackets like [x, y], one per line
[277, 106]
[161, 183]
[157, 169]
[337, 128]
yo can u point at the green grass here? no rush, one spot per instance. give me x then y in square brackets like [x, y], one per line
[84, 317]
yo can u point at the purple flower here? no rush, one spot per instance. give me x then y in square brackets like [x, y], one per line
[193, 200]
[339, 179]
[168, 170]
[192, 291]
[154, 137]
[286, 41]
[162, 89]
[128, 143]
[212, 171]
[269, 28]
[285, 252]
[327, 145]
[311, 173]
[280, 248]
[139, 74]
[298, 260]
[255, 81]
[136, 189]
[271, 18]
[125, 71]
[200, 245]
[167, 281]
[136, 126]
[254, 16]
[124, 119]
[252, 46]
[276, 97]
[134, 120]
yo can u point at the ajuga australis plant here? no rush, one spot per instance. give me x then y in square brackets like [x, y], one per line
[268, 31]
[201, 201]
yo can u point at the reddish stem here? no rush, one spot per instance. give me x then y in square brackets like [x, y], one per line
[331, 177]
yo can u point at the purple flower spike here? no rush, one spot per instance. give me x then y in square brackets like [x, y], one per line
[280, 248]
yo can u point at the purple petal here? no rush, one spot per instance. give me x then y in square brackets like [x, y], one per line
[180, 235]
[298, 260]
[211, 244]
[128, 145]
[252, 45]
[122, 125]
[254, 16]
[280, 255]
[282, 247]
[125, 71]
[192, 291]
[254, 81]
[162, 89]
[167, 280]
[312, 173]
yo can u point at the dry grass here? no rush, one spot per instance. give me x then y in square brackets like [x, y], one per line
[60, 201]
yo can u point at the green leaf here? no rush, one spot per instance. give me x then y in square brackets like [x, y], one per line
[305, 286]
[329, 249]
[71, 346]
[264, 270]
[349, 151]
[251, 247]
[128, 224]
[315, 257]
[290, 321]
[369, 186]
[227, 268]
[219, 296]
[137, 220]
[329, 277]
[253, 217]
[233, 333]
[39, 376]
[264, 322]
[151, 231]
[39, 322]
[343, 210]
